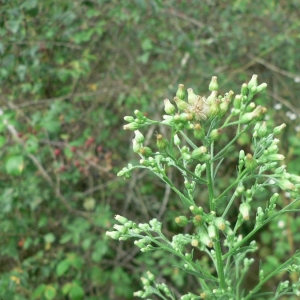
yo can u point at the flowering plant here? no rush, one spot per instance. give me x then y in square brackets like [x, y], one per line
[196, 124]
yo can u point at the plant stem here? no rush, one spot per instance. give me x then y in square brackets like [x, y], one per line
[210, 185]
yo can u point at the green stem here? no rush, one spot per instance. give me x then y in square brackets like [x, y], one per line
[210, 185]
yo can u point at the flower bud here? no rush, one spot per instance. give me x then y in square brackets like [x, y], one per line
[212, 97]
[214, 108]
[250, 162]
[274, 198]
[198, 220]
[262, 130]
[220, 223]
[237, 101]
[196, 210]
[180, 92]
[129, 119]
[285, 184]
[114, 234]
[131, 126]
[145, 151]
[195, 243]
[252, 82]
[278, 130]
[181, 221]
[139, 115]
[169, 107]
[199, 132]
[211, 229]
[224, 107]
[241, 155]
[139, 137]
[135, 146]
[204, 238]
[250, 107]
[244, 89]
[199, 152]
[213, 86]
[215, 134]
[121, 219]
[176, 140]
[192, 97]
[181, 105]
[244, 210]
[161, 142]
[261, 87]
[247, 118]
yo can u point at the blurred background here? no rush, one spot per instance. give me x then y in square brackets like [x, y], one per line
[69, 72]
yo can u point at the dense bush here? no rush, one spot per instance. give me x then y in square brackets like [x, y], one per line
[69, 72]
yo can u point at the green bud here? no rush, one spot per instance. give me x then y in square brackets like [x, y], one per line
[135, 146]
[244, 210]
[129, 119]
[181, 221]
[199, 152]
[139, 137]
[237, 101]
[250, 107]
[192, 97]
[131, 126]
[145, 151]
[274, 198]
[114, 234]
[214, 109]
[196, 210]
[244, 89]
[213, 86]
[146, 163]
[250, 162]
[121, 219]
[211, 229]
[180, 92]
[181, 105]
[161, 142]
[169, 107]
[139, 114]
[224, 107]
[285, 184]
[252, 82]
[279, 129]
[242, 155]
[186, 156]
[176, 140]
[262, 130]
[212, 97]
[220, 223]
[198, 220]
[199, 132]
[247, 118]
[261, 87]
[204, 238]
[215, 134]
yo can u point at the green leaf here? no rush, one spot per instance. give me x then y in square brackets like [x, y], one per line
[32, 145]
[38, 291]
[62, 267]
[66, 288]
[76, 293]
[50, 292]
[14, 165]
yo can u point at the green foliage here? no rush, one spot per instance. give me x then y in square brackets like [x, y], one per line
[69, 72]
